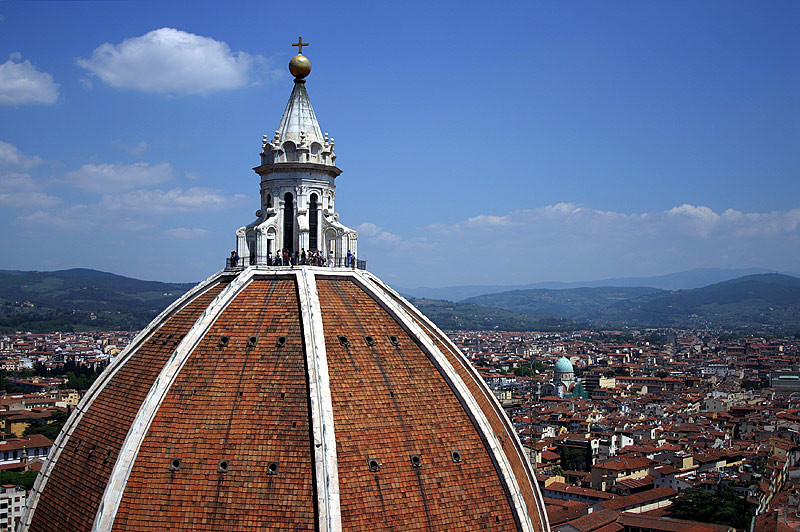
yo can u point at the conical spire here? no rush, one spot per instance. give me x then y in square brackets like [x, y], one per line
[299, 118]
[298, 137]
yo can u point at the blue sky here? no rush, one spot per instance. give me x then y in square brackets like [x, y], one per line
[481, 143]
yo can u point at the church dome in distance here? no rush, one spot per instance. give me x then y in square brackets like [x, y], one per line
[290, 391]
[563, 365]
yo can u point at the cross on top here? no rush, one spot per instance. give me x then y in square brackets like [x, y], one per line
[300, 45]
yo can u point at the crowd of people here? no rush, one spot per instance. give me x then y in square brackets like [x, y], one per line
[286, 257]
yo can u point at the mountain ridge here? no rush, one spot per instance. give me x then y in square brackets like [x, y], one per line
[85, 299]
[80, 299]
[683, 280]
[759, 300]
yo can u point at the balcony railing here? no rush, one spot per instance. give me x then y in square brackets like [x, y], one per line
[339, 262]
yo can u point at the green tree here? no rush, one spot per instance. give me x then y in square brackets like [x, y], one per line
[523, 371]
[25, 479]
[725, 507]
[48, 427]
[7, 382]
[574, 459]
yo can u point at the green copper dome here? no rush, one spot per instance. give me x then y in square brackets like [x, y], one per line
[563, 365]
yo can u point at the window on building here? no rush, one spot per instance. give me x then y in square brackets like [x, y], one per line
[288, 221]
[290, 150]
[313, 223]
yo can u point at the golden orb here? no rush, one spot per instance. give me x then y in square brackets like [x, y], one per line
[300, 66]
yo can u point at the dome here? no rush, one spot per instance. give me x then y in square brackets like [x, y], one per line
[291, 398]
[563, 365]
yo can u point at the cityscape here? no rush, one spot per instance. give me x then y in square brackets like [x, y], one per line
[390, 331]
[616, 423]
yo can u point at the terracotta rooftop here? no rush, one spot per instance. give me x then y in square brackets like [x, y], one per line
[624, 463]
[638, 499]
[663, 524]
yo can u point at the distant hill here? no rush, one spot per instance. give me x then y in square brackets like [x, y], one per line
[84, 299]
[469, 316]
[571, 303]
[771, 300]
[685, 280]
[67, 299]
[764, 300]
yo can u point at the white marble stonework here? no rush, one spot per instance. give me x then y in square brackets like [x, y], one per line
[297, 182]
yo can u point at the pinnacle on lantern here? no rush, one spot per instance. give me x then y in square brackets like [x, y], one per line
[300, 66]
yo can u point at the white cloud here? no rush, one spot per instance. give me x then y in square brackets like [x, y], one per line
[21, 191]
[21, 83]
[177, 200]
[84, 217]
[134, 149]
[10, 156]
[75, 217]
[569, 242]
[488, 220]
[171, 61]
[115, 177]
[376, 233]
[184, 233]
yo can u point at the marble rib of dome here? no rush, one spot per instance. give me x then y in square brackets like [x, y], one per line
[288, 398]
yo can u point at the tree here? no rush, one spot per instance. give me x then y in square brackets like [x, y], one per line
[25, 479]
[725, 507]
[48, 427]
[575, 459]
[523, 371]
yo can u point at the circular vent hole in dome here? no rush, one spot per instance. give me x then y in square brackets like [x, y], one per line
[416, 461]
[272, 468]
[456, 456]
[223, 466]
[373, 464]
[370, 340]
[223, 340]
[281, 341]
[395, 341]
[344, 341]
[252, 341]
[175, 464]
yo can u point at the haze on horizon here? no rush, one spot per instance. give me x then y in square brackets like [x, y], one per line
[563, 143]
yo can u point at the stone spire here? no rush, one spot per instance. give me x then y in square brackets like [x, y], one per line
[297, 186]
[298, 137]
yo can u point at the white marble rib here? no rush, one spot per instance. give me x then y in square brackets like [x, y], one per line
[325, 461]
